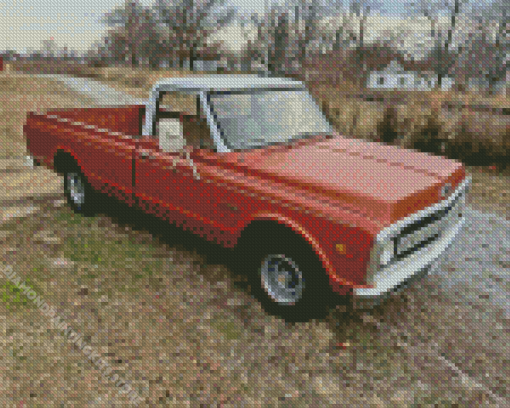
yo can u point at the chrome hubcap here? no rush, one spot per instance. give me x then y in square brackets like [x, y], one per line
[282, 279]
[76, 188]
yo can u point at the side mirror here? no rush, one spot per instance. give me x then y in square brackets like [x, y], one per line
[170, 135]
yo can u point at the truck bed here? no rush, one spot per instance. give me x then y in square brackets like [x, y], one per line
[124, 119]
[64, 129]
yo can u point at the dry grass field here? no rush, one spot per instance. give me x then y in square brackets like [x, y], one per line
[460, 126]
[20, 94]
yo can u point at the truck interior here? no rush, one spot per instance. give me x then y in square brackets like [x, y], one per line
[179, 123]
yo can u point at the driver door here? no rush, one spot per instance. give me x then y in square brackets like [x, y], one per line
[156, 179]
[168, 182]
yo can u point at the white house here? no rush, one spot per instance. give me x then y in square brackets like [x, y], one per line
[394, 76]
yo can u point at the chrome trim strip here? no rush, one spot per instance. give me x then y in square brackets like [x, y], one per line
[85, 126]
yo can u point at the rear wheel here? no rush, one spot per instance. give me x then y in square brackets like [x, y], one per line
[79, 193]
[288, 278]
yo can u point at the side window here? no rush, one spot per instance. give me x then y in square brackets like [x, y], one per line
[169, 125]
[179, 122]
[181, 102]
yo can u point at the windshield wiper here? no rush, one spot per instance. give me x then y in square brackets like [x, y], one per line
[304, 135]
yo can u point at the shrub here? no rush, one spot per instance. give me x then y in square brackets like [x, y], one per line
[12, 295]
[429, 137]
[387, 127]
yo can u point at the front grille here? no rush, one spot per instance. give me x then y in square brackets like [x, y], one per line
[426, 230]
[435, 221]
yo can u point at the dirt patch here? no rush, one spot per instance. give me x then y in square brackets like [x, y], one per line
[29, 183]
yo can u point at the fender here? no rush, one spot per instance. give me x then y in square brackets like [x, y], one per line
[300, 231]
[339, 284]
[91, 177]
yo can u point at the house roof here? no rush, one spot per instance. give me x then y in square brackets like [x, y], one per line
[423, 67]
[393, 67]
[226, 82]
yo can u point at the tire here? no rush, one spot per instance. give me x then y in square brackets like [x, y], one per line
[287, 277]
[80, 195]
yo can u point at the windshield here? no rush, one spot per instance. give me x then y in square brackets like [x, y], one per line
[255, 119]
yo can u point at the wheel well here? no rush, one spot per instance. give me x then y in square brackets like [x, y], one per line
[258, 231]
[63, 160]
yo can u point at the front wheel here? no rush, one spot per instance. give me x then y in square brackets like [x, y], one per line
[282, 279]
[79, 193]
[288, 279]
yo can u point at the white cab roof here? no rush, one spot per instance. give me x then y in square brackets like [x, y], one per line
[226, 82]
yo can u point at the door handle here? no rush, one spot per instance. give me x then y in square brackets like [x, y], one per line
[145, 155]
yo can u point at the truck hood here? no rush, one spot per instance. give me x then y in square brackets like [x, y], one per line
[384, 182]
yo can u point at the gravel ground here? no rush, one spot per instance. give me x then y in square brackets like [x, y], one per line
[483, 247]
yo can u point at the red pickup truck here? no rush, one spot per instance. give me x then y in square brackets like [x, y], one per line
[253, 163]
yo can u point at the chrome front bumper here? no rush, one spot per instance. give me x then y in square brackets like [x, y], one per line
[28, 161]
[411, 266]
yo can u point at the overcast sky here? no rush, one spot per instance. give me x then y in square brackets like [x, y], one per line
[25, 23]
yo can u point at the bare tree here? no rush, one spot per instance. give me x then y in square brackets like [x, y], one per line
[191, 22]
[249, 52]
[49, 48]
[307, 14]
[345, 52]
[359, 11]
[271, 45]
[443, 52]
[114, 48]
[498, 15]
[285, 34]
[136, 22]
[279, 37]
[343, 30]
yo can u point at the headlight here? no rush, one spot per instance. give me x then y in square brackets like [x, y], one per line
[387, 253]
